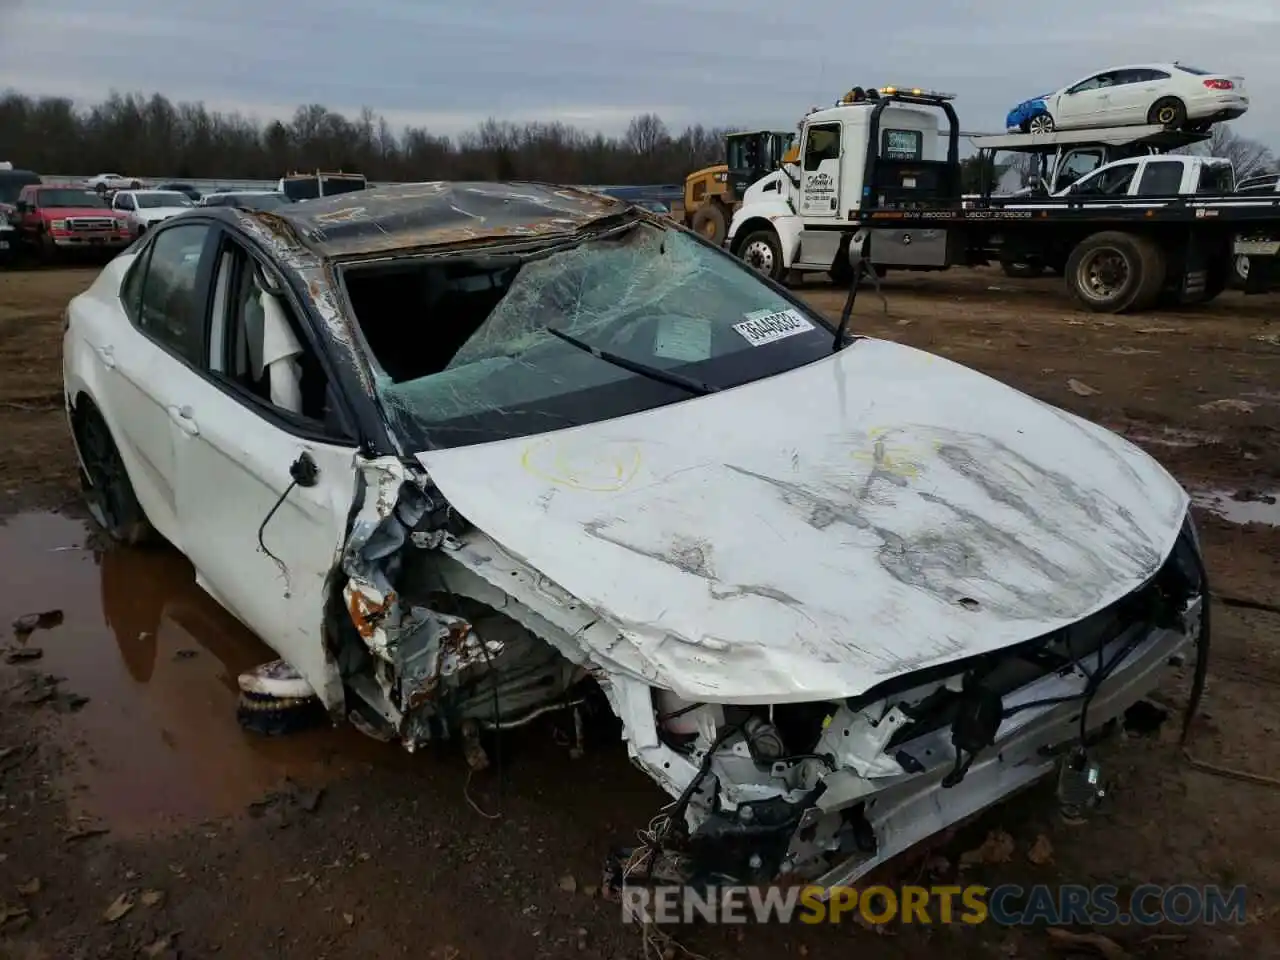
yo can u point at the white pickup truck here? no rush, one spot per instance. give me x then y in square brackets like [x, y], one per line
[1159, 177]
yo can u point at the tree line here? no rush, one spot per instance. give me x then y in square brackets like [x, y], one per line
[151, 136]
[143, 136]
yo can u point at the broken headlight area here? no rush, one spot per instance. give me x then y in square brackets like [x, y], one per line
[419, 662]
[825, 792]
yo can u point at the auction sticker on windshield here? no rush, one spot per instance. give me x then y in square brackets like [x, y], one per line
[766, 326]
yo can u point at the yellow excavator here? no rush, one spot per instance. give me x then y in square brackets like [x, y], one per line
[712, 194]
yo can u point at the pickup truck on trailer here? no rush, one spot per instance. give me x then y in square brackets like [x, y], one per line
[1060, 159]
[873, 182]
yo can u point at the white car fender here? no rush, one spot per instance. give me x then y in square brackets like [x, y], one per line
[775, 213]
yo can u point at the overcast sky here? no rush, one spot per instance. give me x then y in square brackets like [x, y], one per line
[596, 63]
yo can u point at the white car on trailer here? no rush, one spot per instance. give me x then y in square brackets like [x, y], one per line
[1173, 95]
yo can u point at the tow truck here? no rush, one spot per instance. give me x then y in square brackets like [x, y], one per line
[874, 187]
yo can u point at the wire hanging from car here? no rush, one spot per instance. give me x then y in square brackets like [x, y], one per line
[860, 266]
[284, 571]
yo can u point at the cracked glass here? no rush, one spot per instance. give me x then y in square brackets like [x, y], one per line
[651, 297]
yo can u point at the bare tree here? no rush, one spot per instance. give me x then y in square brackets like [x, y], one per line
[1247, 156]
[647, 134]
[151, 136]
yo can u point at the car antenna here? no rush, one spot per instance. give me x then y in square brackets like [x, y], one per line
[860, 265]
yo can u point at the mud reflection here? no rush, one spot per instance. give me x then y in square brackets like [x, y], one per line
[158, 740]
[1241, 506]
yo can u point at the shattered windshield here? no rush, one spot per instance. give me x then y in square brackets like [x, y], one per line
[484, 349]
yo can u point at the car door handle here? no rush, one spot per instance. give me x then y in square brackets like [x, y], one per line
[182, 416]
[108, 355]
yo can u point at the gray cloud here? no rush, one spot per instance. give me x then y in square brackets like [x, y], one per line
[595, 64]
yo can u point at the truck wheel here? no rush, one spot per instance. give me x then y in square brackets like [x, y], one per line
[709, 221]
[1113, 272]
[1239, 272]
[1169, 112]
[762, 252]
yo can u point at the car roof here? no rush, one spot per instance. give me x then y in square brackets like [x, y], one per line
[415, 215]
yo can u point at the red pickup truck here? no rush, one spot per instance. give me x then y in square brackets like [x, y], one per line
[62, 220]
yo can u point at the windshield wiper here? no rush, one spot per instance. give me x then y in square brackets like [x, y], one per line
[695, 387]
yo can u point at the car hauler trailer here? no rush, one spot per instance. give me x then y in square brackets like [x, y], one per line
[872, 186]
[1064, 157]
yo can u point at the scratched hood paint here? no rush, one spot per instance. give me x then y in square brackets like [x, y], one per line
[819, 532]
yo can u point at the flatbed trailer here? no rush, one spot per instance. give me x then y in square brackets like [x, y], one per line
[1117, 255]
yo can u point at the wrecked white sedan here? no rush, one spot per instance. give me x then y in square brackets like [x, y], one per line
[461, 453]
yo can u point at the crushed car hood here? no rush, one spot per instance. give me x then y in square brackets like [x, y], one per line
[813, 534]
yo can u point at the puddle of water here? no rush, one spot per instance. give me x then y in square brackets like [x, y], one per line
[1224, 504]
[157, 743]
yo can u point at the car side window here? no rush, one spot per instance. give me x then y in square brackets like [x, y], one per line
[131, 288]
[257, 346]
[1110, 182]
[124, 203]
[171, 308]
[1160, 178]
[1133, 76]
[1077, 164]
[1094, 83]
[823, 143]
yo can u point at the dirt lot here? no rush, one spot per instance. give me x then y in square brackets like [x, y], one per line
[330, 845]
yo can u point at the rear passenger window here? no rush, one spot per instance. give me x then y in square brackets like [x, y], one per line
[1161, 178]
[1216, 178]
[172, 304]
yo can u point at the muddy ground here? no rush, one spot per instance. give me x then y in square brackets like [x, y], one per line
[144, 822]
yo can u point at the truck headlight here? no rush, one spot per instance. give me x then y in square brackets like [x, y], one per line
[58, 225]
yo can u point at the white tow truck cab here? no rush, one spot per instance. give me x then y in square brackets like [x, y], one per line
[881, 148]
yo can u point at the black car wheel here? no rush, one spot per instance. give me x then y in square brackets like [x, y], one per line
[107, 488]
[1169, 112]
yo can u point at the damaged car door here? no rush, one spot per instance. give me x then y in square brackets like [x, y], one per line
[266, 472]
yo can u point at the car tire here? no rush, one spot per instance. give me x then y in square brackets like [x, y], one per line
[135, 184]
[108, 491]
[1115, 272]
[761, 251]
[1040, 123]
[709, 223]
[46, 249]
[1168, 112]
[101, 189]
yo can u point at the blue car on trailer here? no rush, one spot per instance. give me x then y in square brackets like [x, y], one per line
[1030, 116]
